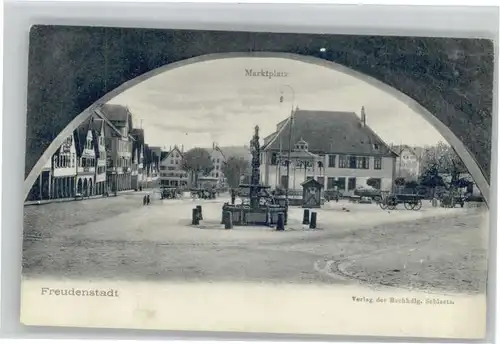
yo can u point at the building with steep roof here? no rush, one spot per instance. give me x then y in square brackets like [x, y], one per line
[98, 127]
[171, 172]
[138, 148]
[338, 149]
[408, 162]
[118, 141]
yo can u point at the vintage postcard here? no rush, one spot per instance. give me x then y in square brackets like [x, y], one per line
[311, 184]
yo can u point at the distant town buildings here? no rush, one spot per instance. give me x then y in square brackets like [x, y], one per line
[171, 172]
[408, 163]
[338, 149]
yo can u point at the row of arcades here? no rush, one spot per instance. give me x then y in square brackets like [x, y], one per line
[48, 187]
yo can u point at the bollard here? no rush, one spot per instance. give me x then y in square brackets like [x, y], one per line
[195, 217]
[200, 214]
[280, 224]
[229, 220]
[305, 218]
[312, 225]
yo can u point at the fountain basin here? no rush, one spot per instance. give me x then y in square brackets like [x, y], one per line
[244, 215]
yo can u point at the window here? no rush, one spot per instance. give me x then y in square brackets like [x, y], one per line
[274, 159]
[171, 161]
[342, 161]
[163, 168]
[352, 162]
[377, 163]
[309, 177]
[217, 175]
[321, 180]
[362, 162]
[331, 160]
[351, 184]
[341, 183]
[218, 160]
[330, 183]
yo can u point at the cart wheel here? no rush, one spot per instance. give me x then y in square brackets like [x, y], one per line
[417, 205]
[409, 205]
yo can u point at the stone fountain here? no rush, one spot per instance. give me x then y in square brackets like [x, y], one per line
[260, 208]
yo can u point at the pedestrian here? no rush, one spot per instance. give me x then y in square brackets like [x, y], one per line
[148, 200]
[144, 200]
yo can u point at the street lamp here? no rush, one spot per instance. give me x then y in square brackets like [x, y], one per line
[289, 137]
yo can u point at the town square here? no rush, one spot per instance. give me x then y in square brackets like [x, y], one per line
[280, 185]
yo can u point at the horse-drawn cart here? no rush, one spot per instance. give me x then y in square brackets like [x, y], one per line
[168, 193]
[410, 201]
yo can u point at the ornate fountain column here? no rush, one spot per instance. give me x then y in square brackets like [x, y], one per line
[255, 178]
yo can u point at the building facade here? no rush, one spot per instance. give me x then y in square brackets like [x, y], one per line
[337, 149]
[119, 147]
[138, 173]
[98, 129]
[171, 172]
[86, 147]
[217, 175]
[408, 163]
[64, 163]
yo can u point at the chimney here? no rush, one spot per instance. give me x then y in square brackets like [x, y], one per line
[363, 116]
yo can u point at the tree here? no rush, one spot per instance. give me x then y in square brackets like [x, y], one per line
[431, 179]
[197, 161]
[442, 159]
[233, 168]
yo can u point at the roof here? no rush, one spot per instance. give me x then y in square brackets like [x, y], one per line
[312, 181]
[115, 113]
[330, 132]
[166, 155]
[80, 136]
[119, 115]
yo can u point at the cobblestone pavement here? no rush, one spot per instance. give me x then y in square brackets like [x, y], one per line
[118, 238]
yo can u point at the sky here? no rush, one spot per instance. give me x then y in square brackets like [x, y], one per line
[215, 101]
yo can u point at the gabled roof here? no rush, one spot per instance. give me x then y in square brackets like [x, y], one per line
[312, 181]
[138, 135]
[138, 144]
[174, 149]
[80, 137]
[114, 132]
[119, 115]
[330, 132]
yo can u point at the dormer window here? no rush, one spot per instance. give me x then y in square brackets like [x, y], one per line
[375, 146]
[302, 145]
